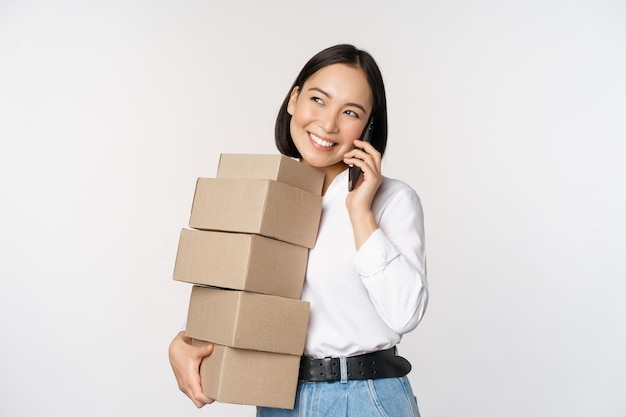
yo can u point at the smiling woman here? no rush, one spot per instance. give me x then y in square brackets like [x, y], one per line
[366, 276]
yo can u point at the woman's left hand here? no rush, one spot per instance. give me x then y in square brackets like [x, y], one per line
[359, 200]
[366, 157]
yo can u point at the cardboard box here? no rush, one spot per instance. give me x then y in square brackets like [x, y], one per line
[263, 207]
[248, 320]
[249, 377]
[279, 168]
[241, 262]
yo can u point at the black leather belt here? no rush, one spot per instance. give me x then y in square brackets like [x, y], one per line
[380, 364]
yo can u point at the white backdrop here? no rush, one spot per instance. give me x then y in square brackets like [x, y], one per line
[507, 117]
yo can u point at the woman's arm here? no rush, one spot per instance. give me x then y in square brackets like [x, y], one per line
[392, 262]
[388, 228]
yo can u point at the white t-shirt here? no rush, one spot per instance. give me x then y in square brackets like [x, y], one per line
[365, 301]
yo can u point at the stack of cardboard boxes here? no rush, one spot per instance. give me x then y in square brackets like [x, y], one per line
[246, 252]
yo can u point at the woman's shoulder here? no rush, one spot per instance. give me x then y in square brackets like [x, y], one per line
[396, 196]
[392, 187]
[396, 203]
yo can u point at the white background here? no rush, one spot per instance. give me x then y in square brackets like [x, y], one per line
[507, 117]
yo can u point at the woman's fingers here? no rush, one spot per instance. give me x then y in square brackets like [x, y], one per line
[185, 360]
[194, 385]
[367, 158]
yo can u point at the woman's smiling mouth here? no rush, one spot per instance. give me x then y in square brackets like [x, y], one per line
[321, 142]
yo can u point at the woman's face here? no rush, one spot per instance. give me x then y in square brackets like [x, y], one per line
[328, 114]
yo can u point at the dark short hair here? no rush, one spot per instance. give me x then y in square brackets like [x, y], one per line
[338, 54]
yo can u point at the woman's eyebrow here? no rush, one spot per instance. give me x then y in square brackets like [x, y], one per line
[357, 105]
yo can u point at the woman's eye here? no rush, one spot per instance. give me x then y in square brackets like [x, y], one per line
[317, 100]
[351, 113]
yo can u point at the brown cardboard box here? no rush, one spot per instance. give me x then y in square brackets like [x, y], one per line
[248, 320]
[279, 168]
[241, 261]
[249, 377]
[263, 207]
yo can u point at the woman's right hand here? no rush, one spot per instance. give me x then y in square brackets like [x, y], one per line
[185, 360]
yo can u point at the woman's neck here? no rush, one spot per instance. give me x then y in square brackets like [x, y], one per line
[330, 173]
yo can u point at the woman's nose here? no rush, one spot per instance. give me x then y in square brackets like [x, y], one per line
[329, 122]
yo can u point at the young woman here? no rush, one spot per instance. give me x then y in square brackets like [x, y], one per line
[366, 276]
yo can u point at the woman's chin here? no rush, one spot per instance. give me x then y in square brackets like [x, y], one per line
[325, 164]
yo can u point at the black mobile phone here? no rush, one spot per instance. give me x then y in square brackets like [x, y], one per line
[354, 172]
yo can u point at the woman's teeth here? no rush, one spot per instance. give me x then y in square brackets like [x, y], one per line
[321, 141]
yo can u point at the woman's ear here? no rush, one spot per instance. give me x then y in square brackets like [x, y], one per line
[293, 97]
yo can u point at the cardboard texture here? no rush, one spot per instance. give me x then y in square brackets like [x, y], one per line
[247, 320]
[279, 168]
[241, 261]
[263, 207]
[249, 377]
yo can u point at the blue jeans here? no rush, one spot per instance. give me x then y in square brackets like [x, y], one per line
[385, 397]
